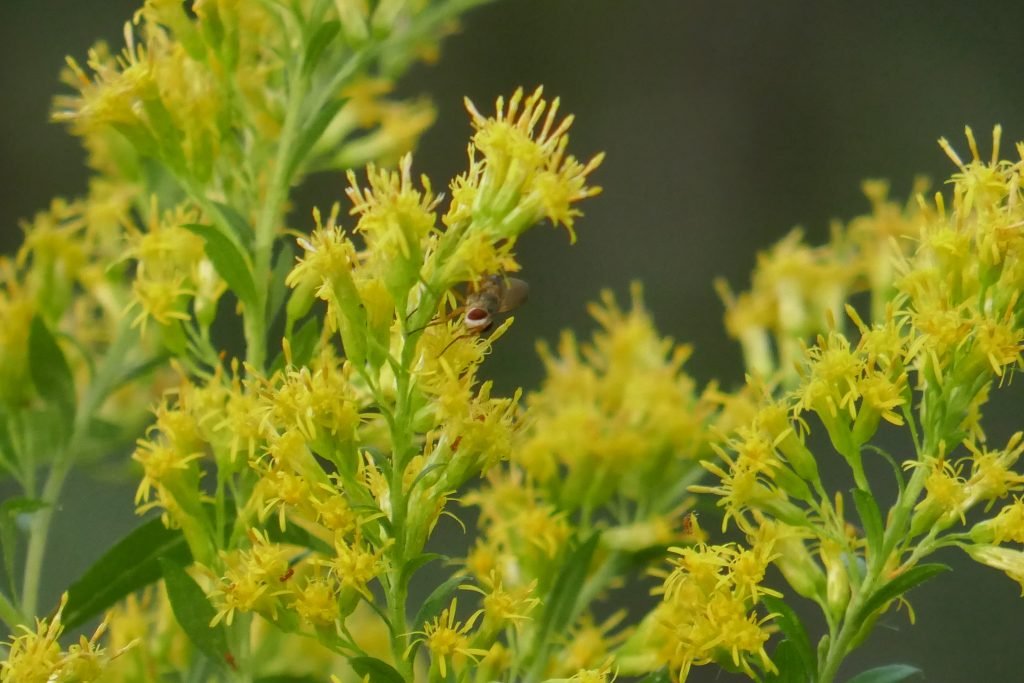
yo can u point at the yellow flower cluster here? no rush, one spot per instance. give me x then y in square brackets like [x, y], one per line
[35, 656]
[644, 426]
[358, 453]
[627, 391]
[946, 328]
[708, 610]
[185, 85]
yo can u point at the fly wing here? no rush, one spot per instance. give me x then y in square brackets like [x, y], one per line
[514, 294]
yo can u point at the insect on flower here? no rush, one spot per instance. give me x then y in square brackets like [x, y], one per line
[493, 295]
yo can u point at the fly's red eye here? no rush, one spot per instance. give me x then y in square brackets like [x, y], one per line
[476, 314]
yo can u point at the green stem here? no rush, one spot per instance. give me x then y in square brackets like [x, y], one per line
[841, 644]
[39, 528]
[397, 594]
[39, 531]
[241, 631]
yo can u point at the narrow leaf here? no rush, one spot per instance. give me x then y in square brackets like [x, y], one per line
[49, 369]
[791, 626]
[871, 518]
[660, 676]
[378, 671]
[790, 665]
[283, 264]
[318, 43]
[229, 260]
[903, 583]
[138, 371]
[236, 224]
[193, 611]
[311, 132]
[8, 454]
[891, 673]
[12, 507]
[416, 563]
[304, 342]
[560, 610]
[128, 566]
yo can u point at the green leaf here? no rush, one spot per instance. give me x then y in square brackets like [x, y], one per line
[897, 471]
[378, 671]
[903, 583]
[236, 224]
[283, 265]
[789, 662]
[438, 599]
[304, 342]
[660, 676]
[871, 518]
[796, 635]
[317, 44]
[12, 507]
[49, 369]
[229, 260]
[416, 563]
[561, 609]
[891, 673]
[193, 611]
[138, 371]
[311, 132]
[8, 454]
[134, 562]
[288, 679]
[42, 432]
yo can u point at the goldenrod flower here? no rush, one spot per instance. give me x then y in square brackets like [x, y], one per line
[252, 579]
[395, 219]
[992, 475]
[708, 609]
[35, 656]
[448, 639]
[317, 600]
[524, 174]
[1010, 562]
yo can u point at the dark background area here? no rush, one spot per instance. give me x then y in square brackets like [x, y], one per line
[725, 124]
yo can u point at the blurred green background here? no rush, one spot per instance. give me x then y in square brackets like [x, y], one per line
[725, 123]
